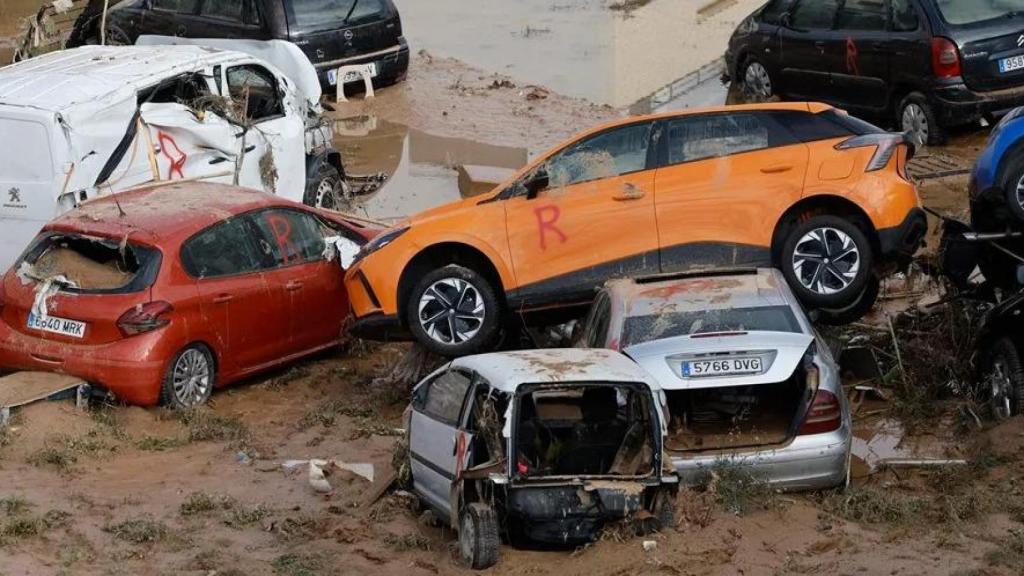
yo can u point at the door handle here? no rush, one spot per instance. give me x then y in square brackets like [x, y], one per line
[223, 299]
[777, 169]
[629, 192]
[820, 45]
[293, 286]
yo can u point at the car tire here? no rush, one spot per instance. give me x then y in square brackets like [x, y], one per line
[326, 188]
[190, 378]
[828, 261]
[478, 309]
[479, 541]
[1003, 375]
[1011, 180]
[756, 81]
[916, 115]
[857, 310]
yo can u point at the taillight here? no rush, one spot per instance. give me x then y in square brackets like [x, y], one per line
[885, 145]
[144, 318]
[825, 415]
[945, 58]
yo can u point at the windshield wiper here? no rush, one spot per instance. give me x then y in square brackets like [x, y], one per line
[350, 11]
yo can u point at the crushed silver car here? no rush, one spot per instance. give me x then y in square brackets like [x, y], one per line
[544, 445]
[746, 378]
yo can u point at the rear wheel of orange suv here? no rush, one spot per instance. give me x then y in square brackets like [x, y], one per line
[828, 261]
[454, 311]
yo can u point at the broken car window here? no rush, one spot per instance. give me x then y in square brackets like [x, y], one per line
[446, 395]
[640, 329]
[815, 14]
[181, 6]
[868, 15]
[717, 135]
[254, 90]
[608, 154]
[224, 250]
[93, 265]
[290, 237]
[184, 89]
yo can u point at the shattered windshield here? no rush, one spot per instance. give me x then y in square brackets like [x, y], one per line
[962, 12]
[640, 329]
[325, 14]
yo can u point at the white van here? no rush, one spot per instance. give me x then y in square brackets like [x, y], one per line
[96, 120]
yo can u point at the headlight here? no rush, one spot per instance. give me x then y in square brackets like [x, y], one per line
[379, 242]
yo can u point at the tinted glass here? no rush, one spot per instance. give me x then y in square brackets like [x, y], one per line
[811, 14]
[606, 155]
[224, 250]
[773, 12]
[321, 14]
[717, 135]
[807, 127]
[867, 15]
[961, 12]
[446, 396]
[224, 9]
[254, 89]
[185, 6]
[904, 16]
[640, 329]
[290, 237]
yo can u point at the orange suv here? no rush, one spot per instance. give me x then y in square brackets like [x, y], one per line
[802, 187]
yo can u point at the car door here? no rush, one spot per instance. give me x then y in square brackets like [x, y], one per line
[310, 287]
[437, 444]
[594, 220]
[229, 19]
[170, 18]
[238, 310]
[725, 180]
[805, 61]
[273, 128]
[860, 51]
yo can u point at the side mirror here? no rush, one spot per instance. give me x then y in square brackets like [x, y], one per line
[538, 182]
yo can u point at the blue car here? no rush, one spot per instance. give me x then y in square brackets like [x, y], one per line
[997, 181]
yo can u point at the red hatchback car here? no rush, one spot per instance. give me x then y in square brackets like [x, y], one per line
[162, 294]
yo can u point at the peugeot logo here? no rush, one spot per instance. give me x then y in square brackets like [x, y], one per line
[15, 195]
[320, 53]
[349, 35]
[1020, 41]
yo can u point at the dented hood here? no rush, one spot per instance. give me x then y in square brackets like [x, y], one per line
[779, 355]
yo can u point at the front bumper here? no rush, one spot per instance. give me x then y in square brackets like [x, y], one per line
[380, 327]
[957, 104]
[132, 369]
[392, 65]
[900, 243]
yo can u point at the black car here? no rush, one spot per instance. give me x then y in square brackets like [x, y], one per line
[333, 33]
[926, 64]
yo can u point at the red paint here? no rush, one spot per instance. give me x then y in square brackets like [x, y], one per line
[852, 55]
[177, 164]
[461, 446]
[547, 220]
[282, 230]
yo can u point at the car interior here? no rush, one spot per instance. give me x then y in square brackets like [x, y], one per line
[87, 264]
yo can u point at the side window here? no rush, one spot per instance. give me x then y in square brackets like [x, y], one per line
[772, 13]
[446, 395]
[815, 14]
[865, 15]
[904, 16]
[611, 153]
[254, 90]
[717, 135]
[180, 6]
[289, 237]
[183, 89]
[223, 250]
[231, 10]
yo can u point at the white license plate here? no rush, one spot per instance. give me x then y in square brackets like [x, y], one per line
[723, 367]
[55, 325]
[332, 75]
[1011, 64]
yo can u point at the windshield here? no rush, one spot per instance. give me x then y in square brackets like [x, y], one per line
[325, 14]
[961, 12]
[640, 329]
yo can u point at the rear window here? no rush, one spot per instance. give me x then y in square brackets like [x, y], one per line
[640, 329]
[90, 265]
[327, 14]
[33, 162]
[965, 12]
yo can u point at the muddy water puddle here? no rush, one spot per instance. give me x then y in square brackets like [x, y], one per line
[421, 169]
[879, 443]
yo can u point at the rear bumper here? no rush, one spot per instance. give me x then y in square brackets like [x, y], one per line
[957, 104]
[808, 463]
[392, 64]
[131, 369]
[900, 243]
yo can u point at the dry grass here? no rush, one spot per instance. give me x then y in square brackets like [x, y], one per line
[140, 530]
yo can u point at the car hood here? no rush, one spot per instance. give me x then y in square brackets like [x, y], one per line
[445, 210]
[780, 352]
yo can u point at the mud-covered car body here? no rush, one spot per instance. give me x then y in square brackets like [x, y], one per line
[598, 407]
[746, 378]
[332, 34]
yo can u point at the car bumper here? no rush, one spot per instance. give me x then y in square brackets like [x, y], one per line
[900, 243]
[392, 65]
[807, 463]
[958, 104]
[132, 369]
[380, 327]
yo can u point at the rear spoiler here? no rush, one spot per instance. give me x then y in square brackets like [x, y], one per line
[886, 144]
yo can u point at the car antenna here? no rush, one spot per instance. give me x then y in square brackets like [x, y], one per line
[120, 211]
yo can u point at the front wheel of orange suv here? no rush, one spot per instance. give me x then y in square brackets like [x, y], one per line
[453, 311]
[828, 261]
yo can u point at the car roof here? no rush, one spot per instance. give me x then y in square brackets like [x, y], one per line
[507, 371]
[163, 214]
[60, 80]
[757, 288]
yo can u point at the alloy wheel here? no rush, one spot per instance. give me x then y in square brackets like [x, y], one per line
[826, 260]
[1002, 391]
[192, 377]
[331, 194]
[915, 121]
[757, 84]
[452, 311]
